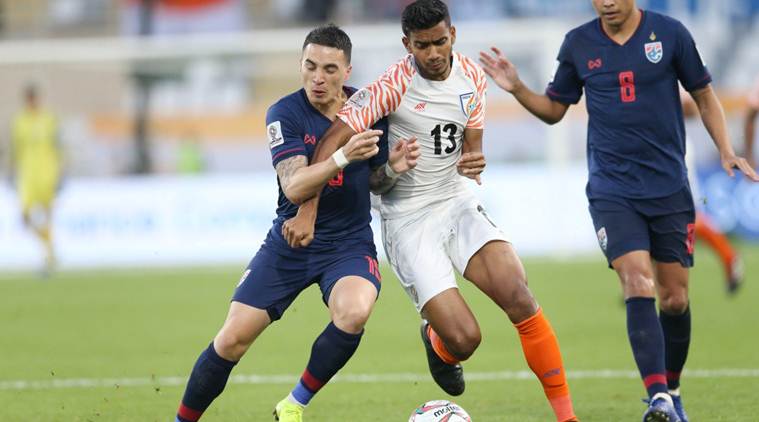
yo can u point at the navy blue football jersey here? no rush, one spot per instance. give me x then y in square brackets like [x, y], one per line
[294, 127]
[636, 135]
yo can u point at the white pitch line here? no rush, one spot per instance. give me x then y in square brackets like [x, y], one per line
[353, 378]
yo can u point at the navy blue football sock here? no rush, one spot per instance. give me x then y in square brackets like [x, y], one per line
[647, 341]
[330, 352]
[676, 330]
[207, 381]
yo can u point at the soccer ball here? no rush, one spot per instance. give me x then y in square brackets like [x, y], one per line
[439, 411]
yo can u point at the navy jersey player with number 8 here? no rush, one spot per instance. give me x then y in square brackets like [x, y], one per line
[341, 257]
[629, 62]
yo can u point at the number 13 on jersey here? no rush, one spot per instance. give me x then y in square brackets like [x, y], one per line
[450, 132]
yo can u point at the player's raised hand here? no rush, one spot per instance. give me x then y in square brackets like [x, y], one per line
[500, 69]
[362, 145]
[731, 162]
[471, 165]
[404, 155]
[299, 230]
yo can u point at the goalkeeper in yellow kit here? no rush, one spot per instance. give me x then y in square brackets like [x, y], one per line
[36, 166]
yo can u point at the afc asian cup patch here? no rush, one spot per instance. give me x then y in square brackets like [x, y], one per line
[274, 131]
[467, 103]
[654, 51]
[603, 240]
[360, 98]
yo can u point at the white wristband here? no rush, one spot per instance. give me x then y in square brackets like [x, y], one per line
[340, 159]
[390, 172]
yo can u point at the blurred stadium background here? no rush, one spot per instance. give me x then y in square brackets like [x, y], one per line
[161, 105]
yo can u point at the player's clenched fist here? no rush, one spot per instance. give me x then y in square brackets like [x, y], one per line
[471, 164]
[299, 230]
[362, 146]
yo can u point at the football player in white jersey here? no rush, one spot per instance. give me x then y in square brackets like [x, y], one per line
[431, 222]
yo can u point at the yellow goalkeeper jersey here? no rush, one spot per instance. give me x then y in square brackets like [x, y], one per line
[36, 155]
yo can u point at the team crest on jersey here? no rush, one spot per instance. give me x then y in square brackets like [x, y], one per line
[654, 51]
[274, 130]
[467, 103]
[360, 98]
[603, 241]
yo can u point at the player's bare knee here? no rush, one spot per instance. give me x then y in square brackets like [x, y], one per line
[674, 303]
[464, 343]
[637, 282]
[353, 317]
[231, 345]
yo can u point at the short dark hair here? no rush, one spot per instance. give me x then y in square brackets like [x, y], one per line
[330, 36]
[424, 14]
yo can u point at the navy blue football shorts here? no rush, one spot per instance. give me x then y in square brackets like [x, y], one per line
[275, 276]
[663, 226]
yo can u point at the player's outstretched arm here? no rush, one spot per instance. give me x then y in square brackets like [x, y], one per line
[402, 158]
[304, 182]
[505, 75]
[714, 120]
[749, 132]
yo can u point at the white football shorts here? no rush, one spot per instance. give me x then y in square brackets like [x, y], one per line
[426, 246]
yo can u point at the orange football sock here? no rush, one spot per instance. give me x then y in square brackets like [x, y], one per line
[716, 240]
[541, 349]
[439, 347]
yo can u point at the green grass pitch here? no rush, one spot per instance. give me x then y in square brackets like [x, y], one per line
[118, 327]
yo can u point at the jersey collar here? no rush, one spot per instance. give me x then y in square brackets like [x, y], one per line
[348, 90]
[643, 15]
[454, 65]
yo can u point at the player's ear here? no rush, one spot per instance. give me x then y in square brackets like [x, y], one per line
[453, 34]
[348, 71]
[302, 60]
[407, 44]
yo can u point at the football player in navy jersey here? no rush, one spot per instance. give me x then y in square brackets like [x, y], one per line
[628, 62]
[341, 258]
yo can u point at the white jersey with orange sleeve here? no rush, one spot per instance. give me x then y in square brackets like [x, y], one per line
[436, 114]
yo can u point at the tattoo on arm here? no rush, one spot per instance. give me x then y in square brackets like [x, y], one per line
[287, 168]
[379, 182]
